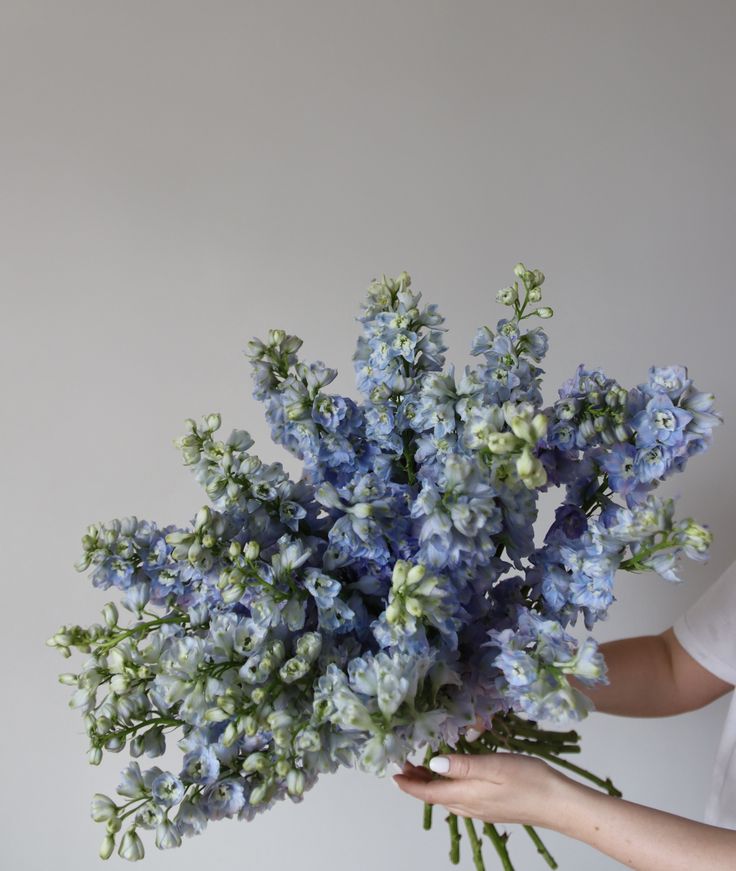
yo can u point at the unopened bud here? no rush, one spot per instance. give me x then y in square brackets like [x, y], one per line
[252, 550]
[110, 615]
[521, 428]
[107, 847]
[416, 573]
[204, 516]
[94, 756]
[501, 442]
[295, 781]
[213, 422]
[400, 573]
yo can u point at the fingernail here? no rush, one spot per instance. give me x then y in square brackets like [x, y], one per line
[472, 735]
[439, 764]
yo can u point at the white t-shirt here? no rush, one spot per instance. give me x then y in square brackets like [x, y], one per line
[707, 631]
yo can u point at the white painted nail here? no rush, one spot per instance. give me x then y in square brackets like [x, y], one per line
[439, 764]
[472, 734]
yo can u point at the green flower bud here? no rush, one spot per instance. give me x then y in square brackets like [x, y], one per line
[110, 615]
[393, 612]
[525, 463]
[131, 846]
[539, 426]
[530, 469]
[519, 270]
[68, 679]
[227, 704]
[427, 586]
[291, 344]
[544, 312]
[94, 756]
[415, 574]
[215, 715]
[204, 516]
[414, 606]
[107, 847]
[233, 594]
[213, 422]
[252, 550]
[115, 743]
[258, 794]
[255, 762]
[113, 825]
[231, 734]
[399, 574]
[534, 294]
[295, 782]
[501, 442]
[521, 428]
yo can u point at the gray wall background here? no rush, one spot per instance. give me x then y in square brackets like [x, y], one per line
[177, 177]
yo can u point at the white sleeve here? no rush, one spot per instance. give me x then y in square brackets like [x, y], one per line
[707, 630]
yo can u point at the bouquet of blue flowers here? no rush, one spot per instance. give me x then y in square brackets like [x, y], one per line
[394, 595]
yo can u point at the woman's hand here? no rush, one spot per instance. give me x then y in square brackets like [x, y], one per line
[512, 788]
[494, 787]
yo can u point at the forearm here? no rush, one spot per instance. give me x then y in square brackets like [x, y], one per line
[641, 837]
[640, 677]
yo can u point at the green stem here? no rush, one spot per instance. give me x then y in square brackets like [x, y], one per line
[144, 724]
[454, 839]
[427, 820]
[475, 844]
[408, 455]
[499, 842]
[634, 563]
[541, 849]
[133, 810]
[427, 807]
[606, 784]
[592, 500]
[109, 643]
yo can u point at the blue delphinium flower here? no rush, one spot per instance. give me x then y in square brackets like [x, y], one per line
[394, 593]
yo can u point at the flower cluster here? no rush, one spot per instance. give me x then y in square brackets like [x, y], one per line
[394, 593]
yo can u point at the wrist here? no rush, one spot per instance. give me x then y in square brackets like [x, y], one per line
[567, 804]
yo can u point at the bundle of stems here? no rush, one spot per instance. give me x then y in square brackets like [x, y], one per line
[512, 733]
